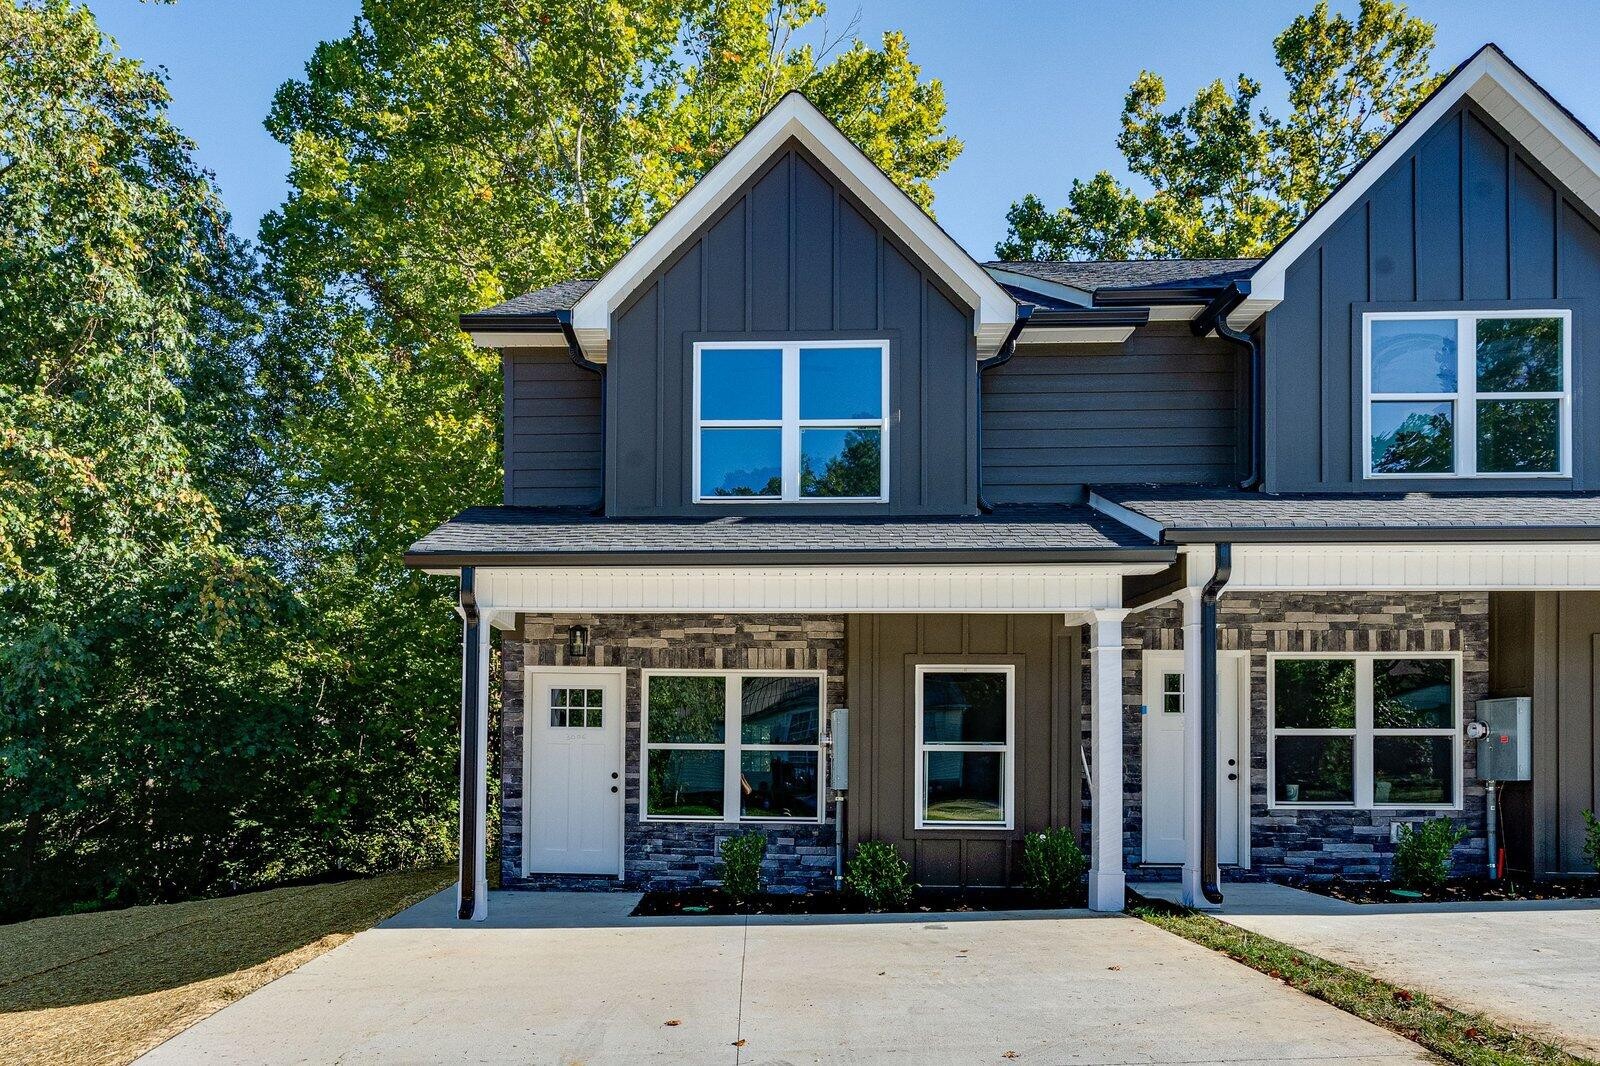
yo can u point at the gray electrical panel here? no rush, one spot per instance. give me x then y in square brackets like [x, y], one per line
[839, 744]
[1506, 752]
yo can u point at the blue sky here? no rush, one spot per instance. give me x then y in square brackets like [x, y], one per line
[1034, 88]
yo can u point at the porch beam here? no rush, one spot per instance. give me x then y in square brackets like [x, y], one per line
[1107, 881]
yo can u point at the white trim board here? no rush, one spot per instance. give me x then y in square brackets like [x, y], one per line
[796, 117]
[1437, 567]
[1509, 96]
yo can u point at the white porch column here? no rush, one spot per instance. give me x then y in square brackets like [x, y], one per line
[1107, 882]
[1190, 598]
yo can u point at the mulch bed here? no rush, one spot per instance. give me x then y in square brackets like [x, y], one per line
[695, 902]
[1459, 890]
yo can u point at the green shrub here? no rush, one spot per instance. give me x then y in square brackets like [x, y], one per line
[1052, 864]
[1422, 855]
[879, 876]
[741, 865]
[1591, 838]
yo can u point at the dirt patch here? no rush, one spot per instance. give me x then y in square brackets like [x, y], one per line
[1460, 890]
[702, 901]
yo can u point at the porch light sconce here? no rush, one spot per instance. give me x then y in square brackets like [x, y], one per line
[578, 642]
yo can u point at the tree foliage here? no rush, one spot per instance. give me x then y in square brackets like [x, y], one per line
[1228, 179]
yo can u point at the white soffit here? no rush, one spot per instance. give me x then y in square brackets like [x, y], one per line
[503, 339]
[1509, 96]
[1545, 565]
[795, 117]
[1075, 335]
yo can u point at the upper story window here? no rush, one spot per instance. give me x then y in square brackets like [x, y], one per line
[1468, 394]
[791, 422]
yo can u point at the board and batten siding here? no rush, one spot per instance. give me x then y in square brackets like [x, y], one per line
[792, 256]
[1465, 221]
[1164, 407]
[553, 451]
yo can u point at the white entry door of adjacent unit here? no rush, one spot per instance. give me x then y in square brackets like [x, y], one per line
[573, 772]
[1165, 705]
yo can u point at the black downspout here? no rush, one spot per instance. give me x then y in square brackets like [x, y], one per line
[583, 362]
[471, 755]
[1215, 318]
[1001, 357]
[1209, 876]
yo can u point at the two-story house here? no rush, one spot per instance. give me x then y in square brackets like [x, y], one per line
[1211, 560]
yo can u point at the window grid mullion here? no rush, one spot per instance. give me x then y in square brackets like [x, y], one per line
[1467, 388]
[733, 732]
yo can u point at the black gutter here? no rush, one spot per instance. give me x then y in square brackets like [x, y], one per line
[1001, 357]
[471, 753]
[447, 560]
[1157, 297]
[1209, 877]
[583, 362]
[534, 323]
[1044, 318]
[1215, 317]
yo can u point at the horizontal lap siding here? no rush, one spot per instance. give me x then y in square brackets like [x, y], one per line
[1164, 407]
[553, 454]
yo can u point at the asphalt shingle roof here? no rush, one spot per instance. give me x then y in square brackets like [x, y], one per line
[531, 536]
[558, 297]
[1192, 513]
[1092, 275]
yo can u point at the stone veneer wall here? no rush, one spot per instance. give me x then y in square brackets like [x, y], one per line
[1299, 843]
[671, 854]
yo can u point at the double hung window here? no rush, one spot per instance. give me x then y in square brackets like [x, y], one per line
[965, 747]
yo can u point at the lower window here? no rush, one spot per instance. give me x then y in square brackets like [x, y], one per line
[732, 746]
[965, 763]
[1365, 731]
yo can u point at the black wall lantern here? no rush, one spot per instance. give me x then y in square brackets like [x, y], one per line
[578, 642]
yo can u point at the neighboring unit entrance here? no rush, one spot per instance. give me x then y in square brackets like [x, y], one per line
[573, 776]
[1165, 705]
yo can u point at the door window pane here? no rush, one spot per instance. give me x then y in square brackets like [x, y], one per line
[841, 463]
[964, 786]
[1314, 694]
[1414, 355]
[1172, 693]
[1519, 355]
[741, 384]
[1413, 770]
[1519, 436]
[780, 710]
[1413, 694]
[778, 784]
[1413, 437]
[686, 710]
[843, 384]
[1315, 769]
[741, 462]
[964, 708]
[685, 784]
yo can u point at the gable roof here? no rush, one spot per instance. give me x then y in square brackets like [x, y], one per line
[1523, 107]
[1093, 275]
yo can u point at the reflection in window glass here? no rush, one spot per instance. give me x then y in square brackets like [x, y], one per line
[962, 708]
[964, 786]
[778, 784]
[1413, 437]
[841, 463]
[1413, 694]
[741, 462]
[1519, 436]
[1314, 694]
[687, 710]
[685, 783]
[843, 384]
[741, 384]
[1519, 354]
[780, 710]
[1414, 355]
[1413, 770]
[1314, 769]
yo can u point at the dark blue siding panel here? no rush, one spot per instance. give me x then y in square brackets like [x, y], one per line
[813, 253]
[768, 254]
[1533, 235]
[632, 400]
[1488, 183]
[680, 316]
[858, 269]
[1393, 266]
[1439, 212]
[1344, 284]
[903, 303]
[723, 249]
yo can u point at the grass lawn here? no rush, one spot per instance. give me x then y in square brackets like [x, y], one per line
[1453, 1035]
[107, 987]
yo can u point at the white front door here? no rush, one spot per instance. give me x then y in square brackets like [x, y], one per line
[573, 772]
[1165, 705]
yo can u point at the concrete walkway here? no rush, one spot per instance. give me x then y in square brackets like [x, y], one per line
[559, 978]
[1531, 964]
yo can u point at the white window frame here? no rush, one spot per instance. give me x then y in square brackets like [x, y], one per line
[1363, 733]
[1007, 751]
[1464, 401]
[731, 746]
[790, 424]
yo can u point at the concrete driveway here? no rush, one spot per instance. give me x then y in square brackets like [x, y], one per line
[568, 978]
[1535, 964]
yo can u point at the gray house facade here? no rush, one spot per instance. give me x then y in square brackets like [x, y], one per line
[814, 526]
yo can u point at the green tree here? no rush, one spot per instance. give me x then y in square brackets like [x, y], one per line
[1226, 179]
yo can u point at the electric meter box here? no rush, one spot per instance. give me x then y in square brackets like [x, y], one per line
[839, 745]
[1506, 753]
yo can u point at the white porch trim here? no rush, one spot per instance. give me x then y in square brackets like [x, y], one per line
[1421, 566]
